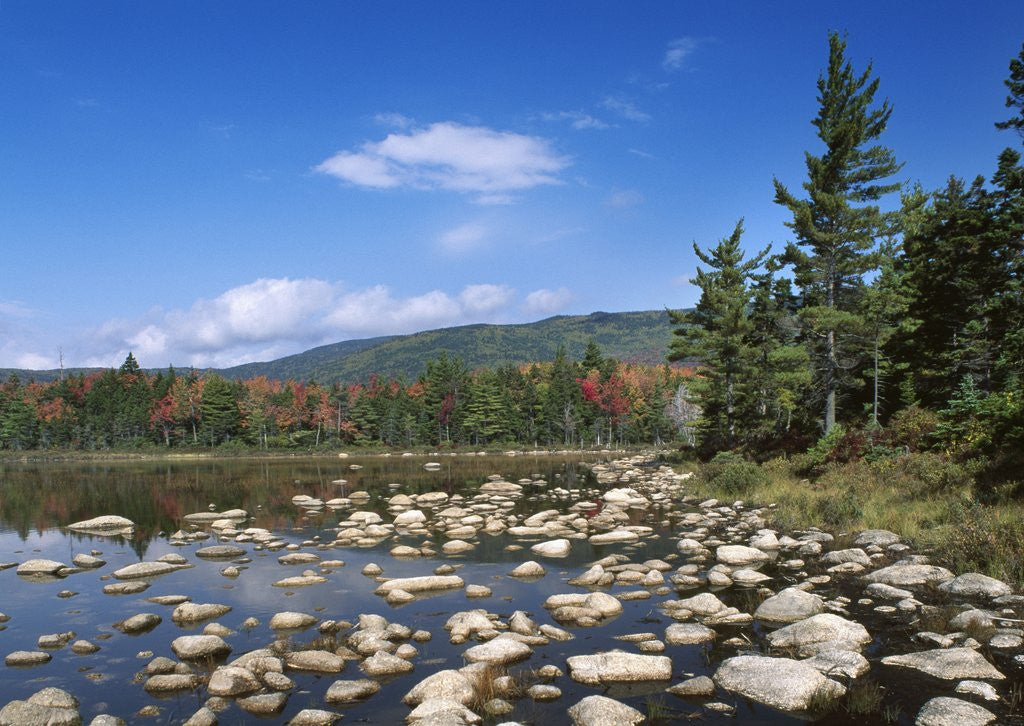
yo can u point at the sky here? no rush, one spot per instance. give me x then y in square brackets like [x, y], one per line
[211, 183]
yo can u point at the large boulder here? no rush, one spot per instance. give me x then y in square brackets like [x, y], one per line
[106, 524]
[910, 575]
[741, 556]
[974, 584]
[948, 664]
[809, 636]
[781, 683]
[945, 711]
[789, 606]
[619, 666]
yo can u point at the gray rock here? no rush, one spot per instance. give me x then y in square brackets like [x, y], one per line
[383, 663]
[264, 704]
[499, 651]
[447, 684]
[781, 683]
[833, 662]
[170, 682]
[974, 584]
[604, 711]
[24, 658]
[314, 717]
[26, 713]
[978, 688]
[140, 623]
[698, 686]
[191, 612]
[232, 681]
[105, 719]
[220, 552]
[426, 583]
[291, 621]
[205, 716]
[740, 555]
[40, 567]
[945, 711]
[789, 606]
[810, 635]
[839, 557]
[528, 569]
[442, 712]
[104, 523]
[618, 666]
[320, 661]
[146, 569]
[910, 575]
[197, 647]
[688, 634]
[87, 561]
[350, 691]
[948, 664]
[552, 548]
[544, 692]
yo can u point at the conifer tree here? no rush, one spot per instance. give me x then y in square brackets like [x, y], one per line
[837, 224]
[716, 332]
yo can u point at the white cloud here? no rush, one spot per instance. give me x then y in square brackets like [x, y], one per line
[677, 52]
[35, 362]
[269, 318]
[625, 108]
[577, 119]
[447, 155]
[623, 199]
[546, 302]
[464, 238]
[485, 299]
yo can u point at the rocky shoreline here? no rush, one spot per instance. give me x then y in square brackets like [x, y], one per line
[807, 640]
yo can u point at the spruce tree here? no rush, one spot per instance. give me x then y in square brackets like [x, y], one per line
[716, 333]
[1015, 99]
[837, 224]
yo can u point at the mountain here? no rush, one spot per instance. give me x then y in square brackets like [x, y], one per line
[639, 337]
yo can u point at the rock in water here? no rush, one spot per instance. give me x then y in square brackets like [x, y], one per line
[781, 683]
[618, 666]
[948, 663]
[945, 711]
[604, 711]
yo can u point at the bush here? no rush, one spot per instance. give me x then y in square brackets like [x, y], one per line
[731, 474]
[911, 428]
[925, 473]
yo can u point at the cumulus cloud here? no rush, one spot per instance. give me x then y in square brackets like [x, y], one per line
[546, 302]
[269, 318]
[464, 238]
[446, 155]
[625, 108]
[677, 52]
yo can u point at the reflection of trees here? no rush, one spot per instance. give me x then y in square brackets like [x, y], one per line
[156, 495]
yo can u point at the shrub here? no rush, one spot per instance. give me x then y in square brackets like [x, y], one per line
[925, 473]
[911, 428]
[731, 474]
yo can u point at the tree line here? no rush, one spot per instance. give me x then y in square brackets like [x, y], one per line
[595, 401]
[870, 319]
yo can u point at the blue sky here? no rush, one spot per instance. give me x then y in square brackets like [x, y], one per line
[208, 183]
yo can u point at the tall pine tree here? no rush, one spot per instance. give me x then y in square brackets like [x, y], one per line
[837, 224]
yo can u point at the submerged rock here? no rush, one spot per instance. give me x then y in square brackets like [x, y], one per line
[619, 666]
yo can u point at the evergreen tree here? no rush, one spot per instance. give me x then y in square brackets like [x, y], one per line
[837, 225]
[716, 332]
[219, 414]
[1015, 99]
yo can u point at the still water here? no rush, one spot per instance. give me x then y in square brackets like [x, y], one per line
[36, 500]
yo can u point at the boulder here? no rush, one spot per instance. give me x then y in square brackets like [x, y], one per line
[351, 691]
[945, 711]
[426, 583]
[189, 612]
[781, 683]
[910, 575]
[448, 684]
[688, 634]
[740, 555]
[552, 548]
[146, 569]
[808, 636]
[789, 606]
[974, 584]
[198, 647]
[104, 523]
[948, 664]
[499, 651]
[40, 567]
[232, 681]
[604, 711]
[619, 666]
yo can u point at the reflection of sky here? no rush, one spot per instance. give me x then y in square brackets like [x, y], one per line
[103, 681]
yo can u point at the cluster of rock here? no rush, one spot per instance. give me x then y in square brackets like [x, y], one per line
[806, 651]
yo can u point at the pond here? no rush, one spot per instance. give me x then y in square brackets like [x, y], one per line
[285, 497]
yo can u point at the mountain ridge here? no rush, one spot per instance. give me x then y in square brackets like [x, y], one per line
[634, 336]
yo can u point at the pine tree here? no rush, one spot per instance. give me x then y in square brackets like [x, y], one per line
[716, 332]
[837, 225]
[220, 418]
[1015, 99]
